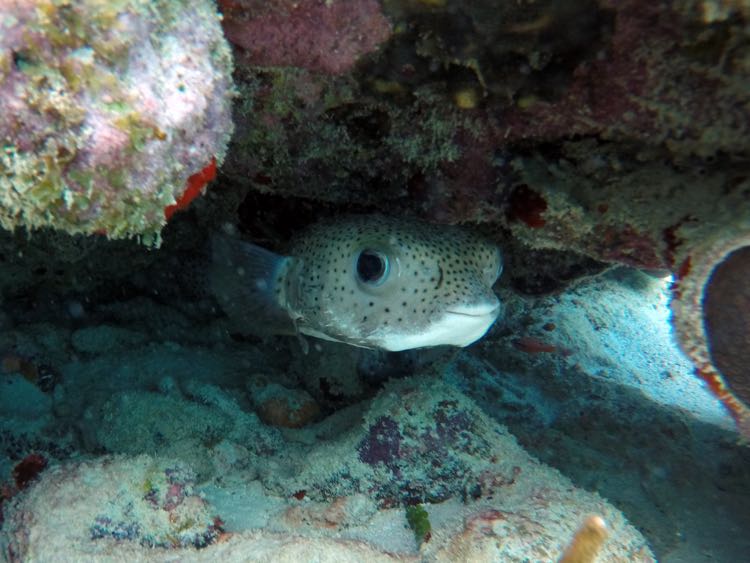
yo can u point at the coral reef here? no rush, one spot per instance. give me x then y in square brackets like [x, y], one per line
[108, 110]
[587, 134]
[162, 375]
[142, 506]
[581, 136]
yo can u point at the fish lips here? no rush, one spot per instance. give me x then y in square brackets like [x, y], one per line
[489, 309]
[459, 326]
[473, 321]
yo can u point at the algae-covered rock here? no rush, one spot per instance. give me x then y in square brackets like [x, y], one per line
[91, 507]
[108, 109]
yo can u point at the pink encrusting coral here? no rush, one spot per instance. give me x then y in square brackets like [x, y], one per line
[108, 109]
[317, 35]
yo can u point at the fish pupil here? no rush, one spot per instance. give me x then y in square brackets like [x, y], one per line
[372, 266]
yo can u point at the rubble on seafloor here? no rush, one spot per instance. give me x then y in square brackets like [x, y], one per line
[143, 388]
[421, 442]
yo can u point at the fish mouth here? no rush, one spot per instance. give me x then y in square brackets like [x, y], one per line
[460, 326]
[480, 310]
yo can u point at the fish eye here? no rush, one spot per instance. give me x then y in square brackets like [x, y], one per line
[372, 267]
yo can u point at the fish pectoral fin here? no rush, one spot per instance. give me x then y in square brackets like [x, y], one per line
[323, 336]
[246, 281]
[304, 345]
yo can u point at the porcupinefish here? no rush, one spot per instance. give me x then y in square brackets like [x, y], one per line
[365, 280]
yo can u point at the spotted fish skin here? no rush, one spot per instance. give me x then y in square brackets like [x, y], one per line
[388, 283]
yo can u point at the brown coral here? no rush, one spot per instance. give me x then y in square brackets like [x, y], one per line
[587, 541]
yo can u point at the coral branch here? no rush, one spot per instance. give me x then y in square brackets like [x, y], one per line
[587, 541]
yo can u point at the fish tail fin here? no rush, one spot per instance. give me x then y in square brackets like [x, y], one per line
[247, 281]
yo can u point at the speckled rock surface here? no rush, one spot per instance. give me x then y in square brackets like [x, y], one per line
[481, 484]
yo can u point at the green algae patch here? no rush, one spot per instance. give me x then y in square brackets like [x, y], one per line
[419, 522]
